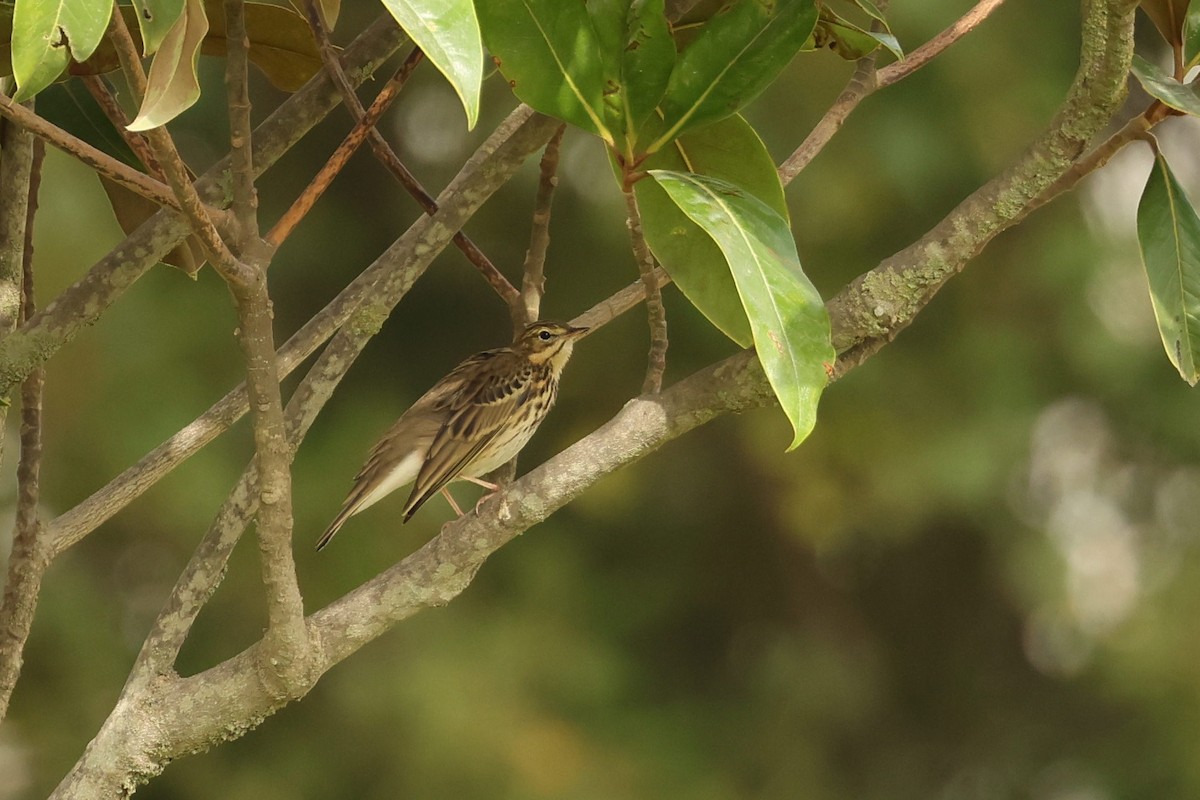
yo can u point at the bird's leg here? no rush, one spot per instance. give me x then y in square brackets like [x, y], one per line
[494, 487]
[450, 498]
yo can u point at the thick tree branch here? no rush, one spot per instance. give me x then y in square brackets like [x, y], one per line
[20, 172]
[84, 302]
[383, 284]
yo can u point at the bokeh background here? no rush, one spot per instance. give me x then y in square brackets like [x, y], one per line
[979, 578]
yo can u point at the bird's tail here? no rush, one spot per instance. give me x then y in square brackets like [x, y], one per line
[347, 511]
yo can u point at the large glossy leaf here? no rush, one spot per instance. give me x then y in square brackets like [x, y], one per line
[1169, 235]
[1168, 17]
[638, 54]
[173, 85]
[550, 54]
[731, 151]
[787, 316]
[1162, 86]
[281, 44]
[154, 19]
[738, 53]
[1191, 36]
[448, 33]
[47, 34]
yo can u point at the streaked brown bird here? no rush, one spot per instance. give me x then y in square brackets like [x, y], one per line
[471, 422]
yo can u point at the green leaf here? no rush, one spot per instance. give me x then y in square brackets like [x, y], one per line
[281, 45]
[1167, 16]
[155, 18]
[737, 54]
[1191, 35]
[448, 33]
[1169, 235]
[638, 53]
[791, 328]
[731, 151]
[46, 34]
[1161, 86]
[173, 85]
[849, 40]
[550, 54]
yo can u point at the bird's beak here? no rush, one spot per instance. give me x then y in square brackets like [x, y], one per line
[578, 333]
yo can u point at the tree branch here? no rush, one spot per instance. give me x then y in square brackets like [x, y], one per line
[100, 161]
[533, 284]
[83, 303]
[333, 166]
[866, 80]
[657, 361]
[176, 172]
[879, 304]
[387, 156]
[935, 46]
[237, 91]
[20, 172]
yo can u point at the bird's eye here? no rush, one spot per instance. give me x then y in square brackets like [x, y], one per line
[544, 336]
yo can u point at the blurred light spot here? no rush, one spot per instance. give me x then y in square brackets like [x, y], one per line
[1066, 780]
[548, 755]
[1118, 296]
[1177, 505]
[1053, 645]
[430, 123]
[15, 774]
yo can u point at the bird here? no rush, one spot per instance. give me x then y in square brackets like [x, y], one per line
[472, 421]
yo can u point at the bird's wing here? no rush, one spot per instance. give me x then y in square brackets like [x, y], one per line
[481, 408]
[415, 429]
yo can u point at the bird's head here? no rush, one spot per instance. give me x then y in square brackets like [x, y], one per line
[551, 342]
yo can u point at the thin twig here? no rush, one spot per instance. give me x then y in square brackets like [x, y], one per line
[656, 362]
[387, 156]
[866, 80]
[226, 264]
[933, 48]
[533, 284]
[29, 557]
[104, 98]
[861, 84]
[86, 300]
[237, 91]
[329, 170]
[98, 160]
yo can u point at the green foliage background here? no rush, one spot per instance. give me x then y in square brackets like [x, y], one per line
[978, 577]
